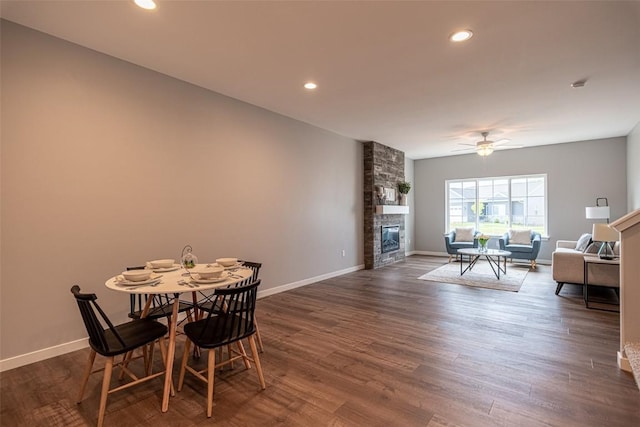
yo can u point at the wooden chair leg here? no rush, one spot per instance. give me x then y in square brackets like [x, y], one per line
[183, 365]
[152, 347]
[229, 355]
[105, 390]
[245, 359]
[125, 362]
[559, 288]
[450, 258]
[256, 360]
[211, 368]
[534, 265]
[87, 374]
[260, 346]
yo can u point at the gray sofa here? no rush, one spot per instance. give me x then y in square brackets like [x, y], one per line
[568, 266]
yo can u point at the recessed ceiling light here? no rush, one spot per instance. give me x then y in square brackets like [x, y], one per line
[460, 36]
[310, 85]
[145, 4]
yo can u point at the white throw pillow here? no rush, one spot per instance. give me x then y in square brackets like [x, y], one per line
[519, 237]
[464, 234]
[583, 242]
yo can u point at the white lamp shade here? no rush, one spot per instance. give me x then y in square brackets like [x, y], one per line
[597, 212]
[604, 233]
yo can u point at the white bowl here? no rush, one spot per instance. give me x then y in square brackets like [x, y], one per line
[208, 271]
[137, 275]
[227, 262]
[162, 263]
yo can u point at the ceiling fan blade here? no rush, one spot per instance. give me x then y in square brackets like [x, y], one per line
[501, 142]
[464, 149]
[508, 147]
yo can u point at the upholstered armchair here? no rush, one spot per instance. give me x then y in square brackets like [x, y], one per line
[521, 249]
[452, 245]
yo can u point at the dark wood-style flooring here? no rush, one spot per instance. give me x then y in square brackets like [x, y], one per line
[380, 348]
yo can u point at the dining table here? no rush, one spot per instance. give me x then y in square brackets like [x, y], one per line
[176, 281]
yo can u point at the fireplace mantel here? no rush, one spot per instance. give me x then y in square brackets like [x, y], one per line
[392, 209]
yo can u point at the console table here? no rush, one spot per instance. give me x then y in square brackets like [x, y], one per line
[596, 260]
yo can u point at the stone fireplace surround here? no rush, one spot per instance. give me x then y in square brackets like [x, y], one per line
[382, 166]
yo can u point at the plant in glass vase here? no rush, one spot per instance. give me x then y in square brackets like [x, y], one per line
[482, 240]
[403, 189]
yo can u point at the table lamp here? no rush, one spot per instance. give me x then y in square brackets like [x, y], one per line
[597, 211]
[605, 234]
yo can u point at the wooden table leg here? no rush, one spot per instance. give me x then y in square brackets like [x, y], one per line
[171, 351]
[196, 314]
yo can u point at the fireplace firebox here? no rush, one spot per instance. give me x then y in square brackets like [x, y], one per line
[390, 238]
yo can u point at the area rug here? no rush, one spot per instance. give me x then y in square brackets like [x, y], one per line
[481, 276]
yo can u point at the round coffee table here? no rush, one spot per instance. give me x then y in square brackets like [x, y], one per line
[491, 255]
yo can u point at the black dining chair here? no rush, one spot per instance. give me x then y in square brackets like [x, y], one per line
[209, 304]
[222, 328]
[115, 341]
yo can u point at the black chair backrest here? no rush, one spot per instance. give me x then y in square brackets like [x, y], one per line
[88, 308]
[136, 301]
[255, 266]
[236, 321]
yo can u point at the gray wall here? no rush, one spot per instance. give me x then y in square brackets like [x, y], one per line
[633, 169]
[577, 173]
[409, 220]
[106, 164]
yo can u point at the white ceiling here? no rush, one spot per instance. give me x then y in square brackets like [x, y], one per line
[385, 69]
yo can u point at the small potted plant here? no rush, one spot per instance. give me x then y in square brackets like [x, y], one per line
[403, 189]
[482, 240]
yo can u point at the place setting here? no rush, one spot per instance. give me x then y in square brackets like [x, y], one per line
[162, 265]
[207, 273]
[135, 278]
[221, 270]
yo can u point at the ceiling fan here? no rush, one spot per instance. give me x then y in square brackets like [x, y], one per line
[486, 147]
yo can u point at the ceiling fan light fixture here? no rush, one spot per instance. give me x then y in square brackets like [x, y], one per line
[484, 150]
[310, 85]
[460, 36]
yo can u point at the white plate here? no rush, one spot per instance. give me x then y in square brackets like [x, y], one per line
[166, 269]
[152, 279]
[231, 267]
[215, 280]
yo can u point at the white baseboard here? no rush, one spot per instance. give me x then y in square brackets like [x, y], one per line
[623, 363]
[431, 253]
[47, 353]
[305, 282]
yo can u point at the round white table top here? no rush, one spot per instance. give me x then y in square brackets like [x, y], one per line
[477, 251]
[178, 281]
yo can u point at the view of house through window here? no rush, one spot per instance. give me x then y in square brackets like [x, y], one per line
[494, 205]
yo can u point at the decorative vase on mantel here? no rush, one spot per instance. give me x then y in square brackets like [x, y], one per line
[403, 190]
